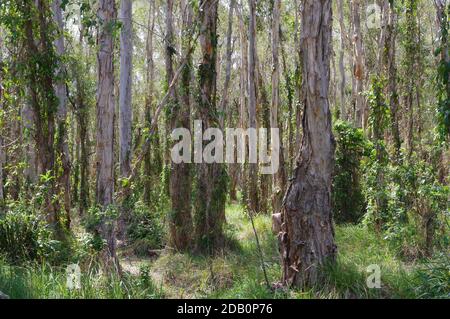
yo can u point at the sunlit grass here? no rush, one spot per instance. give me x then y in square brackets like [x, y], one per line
[236, 272]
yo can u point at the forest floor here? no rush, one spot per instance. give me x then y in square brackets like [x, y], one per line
[235, 273]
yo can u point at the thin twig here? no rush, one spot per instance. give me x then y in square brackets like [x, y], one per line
[261, 256]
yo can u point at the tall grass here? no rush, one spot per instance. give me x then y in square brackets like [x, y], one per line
[236, 271]
[46, 282]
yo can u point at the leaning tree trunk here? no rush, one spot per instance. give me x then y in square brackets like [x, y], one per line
[211, 178]
[105, 130]
[61, 94]
[306, 234]
[180, 223]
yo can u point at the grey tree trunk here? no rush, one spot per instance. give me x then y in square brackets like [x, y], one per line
[125, 109]
[243, 96]
[253, 200]
[211, 178]
[229, 52]
[125, 105]
[150, 76]
[61, 94]
[342, 84]
[180, 223]
[358, 66]
[105, 129]
[307, 235]
[224, 108]
[279, 180]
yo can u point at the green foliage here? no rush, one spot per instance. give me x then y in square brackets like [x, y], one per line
[376, 165]
[417, 209]
[434, 278]
[348, 198]
[24, 236]
[145, 229]
[442, 80]
[49, 282]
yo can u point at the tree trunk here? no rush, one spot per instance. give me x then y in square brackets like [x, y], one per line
[358, 66]
[307, 236]
[253, 200]
[279, 180]
[224, 101]
[180, 177]
[82, 115]
[125, 114]
[125, 105]
[343, 114]
[150, 76]
[105, 129]
[391, 39]
[61, 94]
[44, 106]
[169, 64]
[243, 96]
[2, 197]
[211, 178]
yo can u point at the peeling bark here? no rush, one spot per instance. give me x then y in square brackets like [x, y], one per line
[307, 235]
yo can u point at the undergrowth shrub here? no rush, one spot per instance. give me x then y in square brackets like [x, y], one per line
[145, 229]
[24, 236]
[434, 278]
[348, 198]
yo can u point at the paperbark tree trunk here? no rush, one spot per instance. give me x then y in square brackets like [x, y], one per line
[343, 114]
[229, 52]
[307, 235]
[150, 77]
[224, 108]
[180, 222]
[253, 198]
[358, 66]
[211, 178]
[125, 106]
[243, 96]
[61, 94]
[279, 180]
[105, 130]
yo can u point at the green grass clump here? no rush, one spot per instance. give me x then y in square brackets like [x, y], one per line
[36, 281]
[236, 271]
